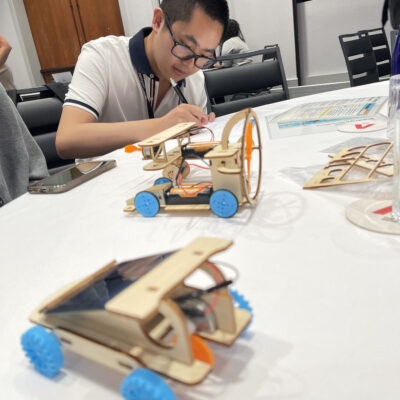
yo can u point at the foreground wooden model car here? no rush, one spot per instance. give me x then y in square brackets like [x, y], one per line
[138, 317]
[233, 181]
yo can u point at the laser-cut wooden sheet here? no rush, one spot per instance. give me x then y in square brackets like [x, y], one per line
[355, 165]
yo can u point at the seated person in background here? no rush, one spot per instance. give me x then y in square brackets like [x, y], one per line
[234, 44]
[121, 92]
[6, 78]
[21, 159]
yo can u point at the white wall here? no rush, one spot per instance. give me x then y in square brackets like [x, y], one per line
[262, 21]
[23, 60]
[265, 22]
[136, 14]
[321, 22]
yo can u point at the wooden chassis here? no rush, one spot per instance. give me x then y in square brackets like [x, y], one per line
[119, 337]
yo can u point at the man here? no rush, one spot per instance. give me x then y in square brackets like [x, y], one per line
[21, 159]
[124, 84]
[6, 78]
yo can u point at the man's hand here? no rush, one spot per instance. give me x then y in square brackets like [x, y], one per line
[187, 113]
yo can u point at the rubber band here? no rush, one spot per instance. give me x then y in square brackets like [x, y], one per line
[190, 193]
[198, 166]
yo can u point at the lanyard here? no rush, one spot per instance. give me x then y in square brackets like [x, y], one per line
[149, 107]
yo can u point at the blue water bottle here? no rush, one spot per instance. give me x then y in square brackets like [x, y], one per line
[396, 57]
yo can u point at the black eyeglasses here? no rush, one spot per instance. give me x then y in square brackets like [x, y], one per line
[184, 53]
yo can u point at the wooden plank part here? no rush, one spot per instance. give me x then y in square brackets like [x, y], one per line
[369, 162]
[72, 290]
[127, 362]
[202, 146]
[97, 352]
[130, 208]
[142, 298]
[188, 374]
[157, 164]
[219, 152]
[130, 202]
[242, 317]
[186, 207]
[344, 161]
[168, 134]
[232, 171]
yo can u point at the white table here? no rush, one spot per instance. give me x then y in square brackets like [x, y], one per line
[325, 293]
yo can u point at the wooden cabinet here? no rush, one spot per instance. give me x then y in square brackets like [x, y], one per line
[60, 28]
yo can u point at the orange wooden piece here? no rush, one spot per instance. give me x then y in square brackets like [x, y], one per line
[249, 145]
[200, 349]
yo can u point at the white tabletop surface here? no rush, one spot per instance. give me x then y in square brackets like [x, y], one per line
[325, 293]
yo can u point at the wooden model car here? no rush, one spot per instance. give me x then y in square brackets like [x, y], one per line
[138, 317]
[230, 165]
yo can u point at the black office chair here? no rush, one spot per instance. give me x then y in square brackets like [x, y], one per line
[381, 50]
[40, 109]
[360, 58]
[248, 85]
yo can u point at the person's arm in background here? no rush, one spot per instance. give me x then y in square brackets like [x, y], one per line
[21, 159]
[80, 136]
[5, 50]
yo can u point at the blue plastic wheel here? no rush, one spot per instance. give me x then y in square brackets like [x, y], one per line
[43, 350]
[241, 302]
[224, 203]
[143, 384]
[147, 204]
[161, 180]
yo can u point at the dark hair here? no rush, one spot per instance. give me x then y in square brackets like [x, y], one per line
[233, 30]
[182, 10]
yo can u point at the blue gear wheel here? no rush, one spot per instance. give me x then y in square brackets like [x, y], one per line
[240, 301]
[161, 180]
[143, 384]
[224, 203]
[43, 350]
[147, 204]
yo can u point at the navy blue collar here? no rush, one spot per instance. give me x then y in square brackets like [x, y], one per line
[138, 55]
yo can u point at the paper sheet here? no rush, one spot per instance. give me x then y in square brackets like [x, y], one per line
[323, 116]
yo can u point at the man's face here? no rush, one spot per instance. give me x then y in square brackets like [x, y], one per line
[201, 34]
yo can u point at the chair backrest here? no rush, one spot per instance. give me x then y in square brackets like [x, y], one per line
[381, 50]
[360, 58]
[40, 109]
[255, 80]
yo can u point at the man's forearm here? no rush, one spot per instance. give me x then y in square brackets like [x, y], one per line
[96, 138]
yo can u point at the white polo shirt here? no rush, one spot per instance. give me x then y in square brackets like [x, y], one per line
[106, 81]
